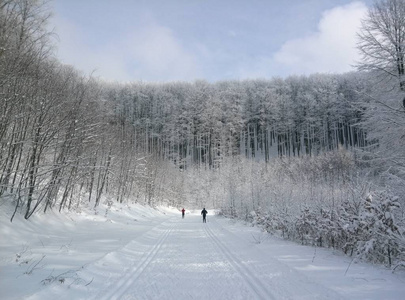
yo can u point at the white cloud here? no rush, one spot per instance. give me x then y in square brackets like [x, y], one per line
[74, 49]
[151, 53]
[331, 49]
[141, 48]
[156, 53]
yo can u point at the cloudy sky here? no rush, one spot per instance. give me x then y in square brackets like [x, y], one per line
[171, 40]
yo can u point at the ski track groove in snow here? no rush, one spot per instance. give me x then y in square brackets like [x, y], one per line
[253, 282]
[124, 283]
[292, 284]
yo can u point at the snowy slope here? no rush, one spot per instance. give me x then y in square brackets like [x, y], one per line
[142, 253]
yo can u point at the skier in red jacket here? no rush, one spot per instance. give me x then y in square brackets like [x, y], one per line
[182, 212]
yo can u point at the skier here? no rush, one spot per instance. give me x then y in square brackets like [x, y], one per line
[182, 212]
[204, 214]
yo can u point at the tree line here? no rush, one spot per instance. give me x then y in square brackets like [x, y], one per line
[201, 123]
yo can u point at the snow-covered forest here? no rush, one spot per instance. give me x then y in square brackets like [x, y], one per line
[316, 159]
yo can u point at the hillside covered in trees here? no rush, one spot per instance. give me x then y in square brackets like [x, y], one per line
[202, 123]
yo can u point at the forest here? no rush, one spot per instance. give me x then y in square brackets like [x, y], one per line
[317, 159]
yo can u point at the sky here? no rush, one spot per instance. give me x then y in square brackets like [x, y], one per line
[187, 40]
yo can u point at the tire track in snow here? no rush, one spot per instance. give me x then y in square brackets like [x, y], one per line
[122, 285]
[254, 283]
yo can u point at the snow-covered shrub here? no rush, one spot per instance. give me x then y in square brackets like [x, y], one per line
[380, 238]
[348, 226]
[370, 231]
[327, 231]
[281, 223]
[320, 200]
[306, 225]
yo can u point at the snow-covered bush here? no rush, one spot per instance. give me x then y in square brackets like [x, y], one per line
[323, 201]
[305, 226]
[379, 235]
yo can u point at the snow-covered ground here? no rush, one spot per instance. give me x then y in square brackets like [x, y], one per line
[142, 253]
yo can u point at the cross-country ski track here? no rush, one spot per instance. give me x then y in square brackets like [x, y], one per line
[167, 257]
[187, 259]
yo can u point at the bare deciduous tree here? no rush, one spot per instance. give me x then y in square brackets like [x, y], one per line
[382, 40]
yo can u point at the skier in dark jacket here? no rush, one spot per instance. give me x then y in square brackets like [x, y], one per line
[204, 214]
[182, 212]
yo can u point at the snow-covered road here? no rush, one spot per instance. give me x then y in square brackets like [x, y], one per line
[187, 259]
[167, 257]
